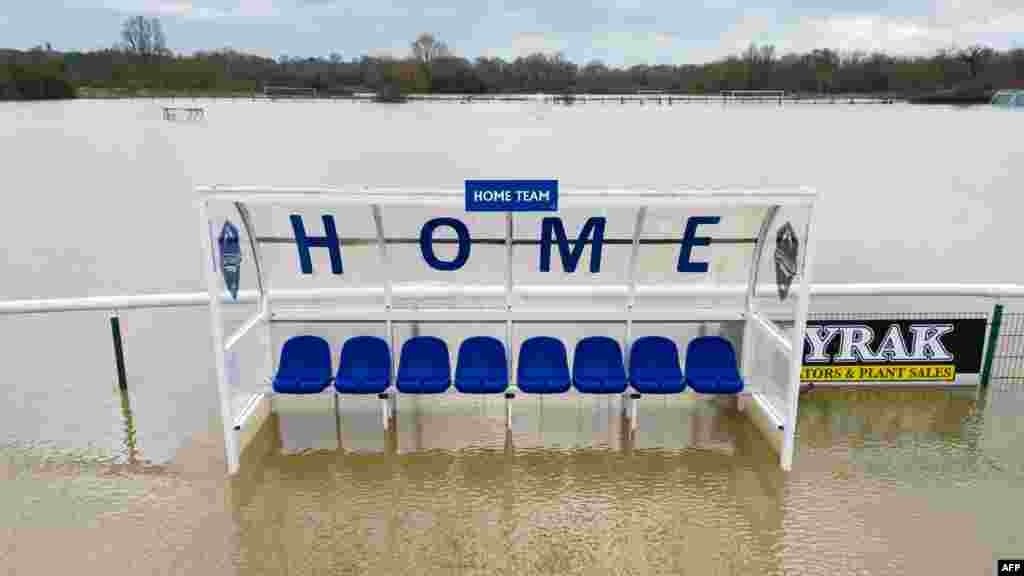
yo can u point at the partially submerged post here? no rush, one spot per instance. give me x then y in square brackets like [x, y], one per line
[115, 332]
[990, 349]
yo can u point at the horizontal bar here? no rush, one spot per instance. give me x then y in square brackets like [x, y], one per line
[494, 315]
[419, 290]
[501, 241]
[197, 299]
[284, 319]
[165, 300]
[977, 290]
[564, 203]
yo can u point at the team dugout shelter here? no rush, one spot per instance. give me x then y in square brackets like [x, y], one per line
[507, 287]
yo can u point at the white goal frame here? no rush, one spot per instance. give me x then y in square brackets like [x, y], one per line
[289, 92]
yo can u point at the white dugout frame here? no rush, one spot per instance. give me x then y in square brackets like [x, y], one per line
[777, 423]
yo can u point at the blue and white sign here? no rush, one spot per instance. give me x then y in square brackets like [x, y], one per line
[230, 257]
[511, 195]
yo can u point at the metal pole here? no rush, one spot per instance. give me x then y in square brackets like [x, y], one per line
[803, 293]
[508, 409]
[634, 399]
[385, 417]
[993, 341]
[115, 332]
[215, 292]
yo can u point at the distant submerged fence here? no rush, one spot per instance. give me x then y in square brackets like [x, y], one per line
[731, 98]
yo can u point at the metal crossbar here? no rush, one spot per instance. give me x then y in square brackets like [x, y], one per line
[516, 242]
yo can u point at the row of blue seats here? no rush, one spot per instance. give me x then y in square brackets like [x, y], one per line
[424, 368]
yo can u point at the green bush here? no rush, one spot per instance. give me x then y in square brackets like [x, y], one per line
[36, 82]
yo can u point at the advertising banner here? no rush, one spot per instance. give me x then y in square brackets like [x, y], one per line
[892, 350]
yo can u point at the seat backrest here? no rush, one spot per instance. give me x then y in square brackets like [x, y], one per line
[425, 352]
[598, 353]
[482, 366]
[654, 366]
[653, 352]
[368, 353]
[543, 352]
[711, 352]
[597, 366]
[305, 353]
[482, 352]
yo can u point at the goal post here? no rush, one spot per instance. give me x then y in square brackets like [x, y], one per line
[339, 263]
[271, 91]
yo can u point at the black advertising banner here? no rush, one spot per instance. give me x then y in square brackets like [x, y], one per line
[892, 350]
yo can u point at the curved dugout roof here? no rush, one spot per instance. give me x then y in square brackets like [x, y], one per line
[572, 196]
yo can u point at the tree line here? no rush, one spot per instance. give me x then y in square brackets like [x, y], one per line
[141, 64]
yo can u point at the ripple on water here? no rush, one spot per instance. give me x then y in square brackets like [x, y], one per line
[876, 489]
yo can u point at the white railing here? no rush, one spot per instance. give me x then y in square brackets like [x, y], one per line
[771, 409]
[196, 299]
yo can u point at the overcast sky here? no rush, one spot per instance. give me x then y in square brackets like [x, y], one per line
[614, 31]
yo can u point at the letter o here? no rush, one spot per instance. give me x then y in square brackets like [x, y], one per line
[427, 243]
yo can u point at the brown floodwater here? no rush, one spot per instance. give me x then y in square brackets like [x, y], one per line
[884, 482]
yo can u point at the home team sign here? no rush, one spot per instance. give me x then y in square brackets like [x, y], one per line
[511, 195]
[892, 350]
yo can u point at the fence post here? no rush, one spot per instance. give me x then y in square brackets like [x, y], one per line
[993, 342]
[115, 332]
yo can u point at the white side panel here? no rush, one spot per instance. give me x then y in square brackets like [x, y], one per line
[217, 332]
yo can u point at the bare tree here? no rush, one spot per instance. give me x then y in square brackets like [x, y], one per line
[144, 37]
[975, 57]
[426, 49]
[751, 58]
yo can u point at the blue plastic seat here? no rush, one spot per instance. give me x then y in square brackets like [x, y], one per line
[597, 366]
[711, 366]
[424, 367]
[654, 366]
[543, 366]
[481, 368]
[364, 367]
[305, 366]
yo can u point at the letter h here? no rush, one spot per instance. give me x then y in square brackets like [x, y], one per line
[304, 243]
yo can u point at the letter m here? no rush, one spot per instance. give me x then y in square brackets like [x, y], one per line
[329, 241]
[552, 229]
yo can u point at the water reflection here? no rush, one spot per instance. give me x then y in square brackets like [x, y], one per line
[569, 488]
[456, 422]
[884, 482]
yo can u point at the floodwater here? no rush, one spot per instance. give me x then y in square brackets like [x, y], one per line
[893, 482]
[98, 201]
